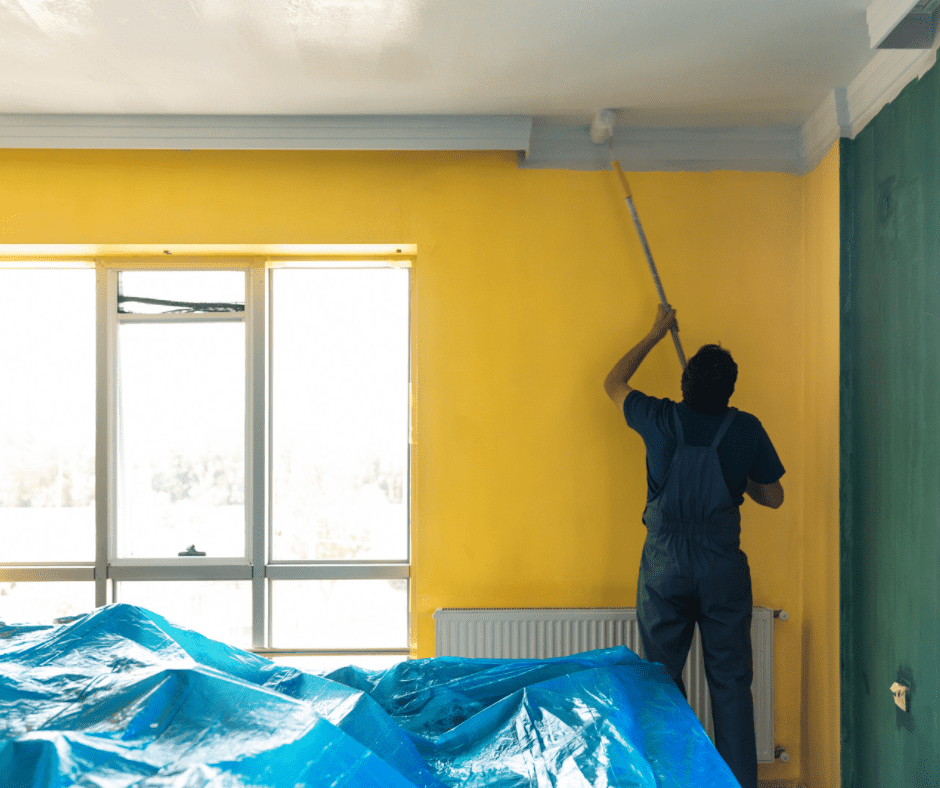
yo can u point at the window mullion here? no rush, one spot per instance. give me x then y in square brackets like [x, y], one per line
[256, 439]
[25, 573]
[182, 317]
[337, 571]
[181, 572]
[105, 329]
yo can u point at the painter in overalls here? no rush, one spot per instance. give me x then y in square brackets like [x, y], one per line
[702, 456]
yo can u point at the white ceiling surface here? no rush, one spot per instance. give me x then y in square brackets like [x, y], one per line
[660, 63]
[710, 62]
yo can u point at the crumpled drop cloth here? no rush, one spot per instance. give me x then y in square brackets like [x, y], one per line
[121, 697]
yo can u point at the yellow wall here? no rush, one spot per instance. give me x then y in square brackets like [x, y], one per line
[530, 486]
[820, 614]
[528, 286]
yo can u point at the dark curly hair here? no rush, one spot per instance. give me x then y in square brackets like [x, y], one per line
[708, 380]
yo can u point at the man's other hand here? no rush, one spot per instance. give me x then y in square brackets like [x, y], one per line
[765, 494]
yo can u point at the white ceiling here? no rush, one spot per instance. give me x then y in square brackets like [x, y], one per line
[659, 62]
[696, 84]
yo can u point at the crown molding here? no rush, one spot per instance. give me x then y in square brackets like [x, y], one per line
[823, 128]
[885, 15]
[267, 132]
[844, 112]
[880, 82]
[847, 110]
[769, 149]
[540, 147]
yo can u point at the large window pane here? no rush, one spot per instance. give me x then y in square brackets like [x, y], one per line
[47, 433]
[41, 602]
[339, 614]
[181, 445]
[219, 609]
[340, 414]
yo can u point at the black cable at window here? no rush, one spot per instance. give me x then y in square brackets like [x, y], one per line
[185, 306]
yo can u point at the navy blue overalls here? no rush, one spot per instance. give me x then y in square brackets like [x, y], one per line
[693, 570]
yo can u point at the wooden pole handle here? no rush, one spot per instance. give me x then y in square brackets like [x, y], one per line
[627, 194]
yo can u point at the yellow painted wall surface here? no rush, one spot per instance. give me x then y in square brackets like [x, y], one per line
[528, 487]
[820, 635]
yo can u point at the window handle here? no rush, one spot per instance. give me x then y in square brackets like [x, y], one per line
[191, 550]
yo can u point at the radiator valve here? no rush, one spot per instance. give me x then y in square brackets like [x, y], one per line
[900, 695]
[782, 754]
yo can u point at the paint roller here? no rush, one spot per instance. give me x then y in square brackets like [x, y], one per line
[602, 129]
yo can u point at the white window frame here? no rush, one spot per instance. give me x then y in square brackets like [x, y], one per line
[108, 569]
[196, 567]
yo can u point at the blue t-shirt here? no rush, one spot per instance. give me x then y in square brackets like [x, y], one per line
[745, 450]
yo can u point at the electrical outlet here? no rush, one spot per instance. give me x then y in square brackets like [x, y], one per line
[900, 695]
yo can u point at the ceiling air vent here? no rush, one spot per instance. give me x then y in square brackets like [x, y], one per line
[904, 25]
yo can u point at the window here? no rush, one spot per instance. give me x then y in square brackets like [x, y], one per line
[47, 416]
[47, 442]
[253, 427]
[180, 407]
[340, 414]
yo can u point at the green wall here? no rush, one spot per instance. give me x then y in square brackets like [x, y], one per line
[890, 442]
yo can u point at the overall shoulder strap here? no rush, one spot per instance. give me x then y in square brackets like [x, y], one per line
[724, 427]
[680, 435]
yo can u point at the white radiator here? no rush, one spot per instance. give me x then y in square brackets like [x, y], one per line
[540, 633]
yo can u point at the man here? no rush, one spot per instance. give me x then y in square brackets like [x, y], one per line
[701, 458]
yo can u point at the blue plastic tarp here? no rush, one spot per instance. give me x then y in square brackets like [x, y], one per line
[121, 697]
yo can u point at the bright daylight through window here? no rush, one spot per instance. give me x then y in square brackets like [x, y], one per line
[181, 416]
[285, 529]
[47, 436]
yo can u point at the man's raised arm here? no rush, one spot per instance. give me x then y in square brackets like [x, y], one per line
[617, 382]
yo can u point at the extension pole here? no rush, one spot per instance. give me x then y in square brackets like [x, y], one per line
[628, 196]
